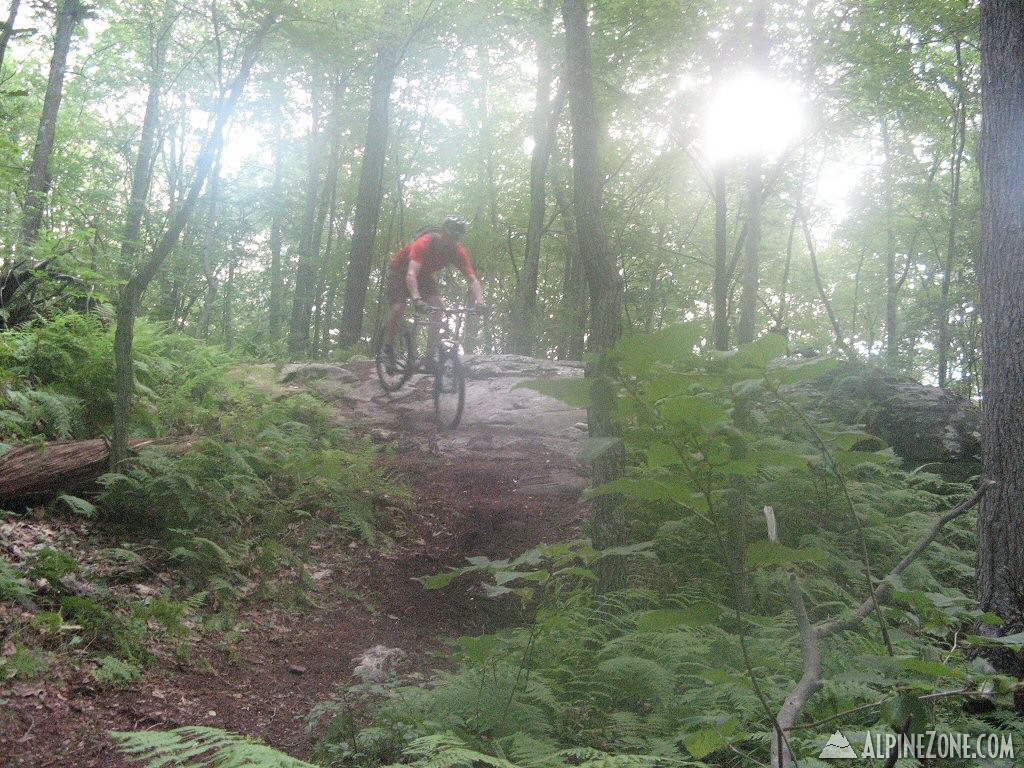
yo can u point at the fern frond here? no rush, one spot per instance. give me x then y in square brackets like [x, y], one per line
[201, 747]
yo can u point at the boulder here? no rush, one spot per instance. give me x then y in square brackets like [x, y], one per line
[924, 425]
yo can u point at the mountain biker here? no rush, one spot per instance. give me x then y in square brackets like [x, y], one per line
[411, 275]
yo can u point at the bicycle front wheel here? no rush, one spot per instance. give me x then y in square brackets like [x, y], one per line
[449, 389]
[395, 370]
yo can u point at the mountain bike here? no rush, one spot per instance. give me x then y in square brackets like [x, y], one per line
[444, 362]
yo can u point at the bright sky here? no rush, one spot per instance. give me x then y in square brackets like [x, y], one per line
[751, 114]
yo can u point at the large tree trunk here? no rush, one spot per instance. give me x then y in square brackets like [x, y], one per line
[368, 200]
[36, 474]
[1001, 271]
[608, 528]
[69, 13]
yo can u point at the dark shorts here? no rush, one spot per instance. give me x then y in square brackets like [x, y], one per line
[398, 292]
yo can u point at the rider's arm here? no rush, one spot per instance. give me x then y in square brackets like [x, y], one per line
[412, 279]
[467, 269]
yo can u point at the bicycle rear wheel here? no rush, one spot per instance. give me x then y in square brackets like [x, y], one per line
[449, 389]
[393, 373]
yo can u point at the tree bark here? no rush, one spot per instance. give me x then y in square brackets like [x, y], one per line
[8, 30]
[1000, 574]
[608, 527]
[69, 13]
[35, 474]
[368, 200]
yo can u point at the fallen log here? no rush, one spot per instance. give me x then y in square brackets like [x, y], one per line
[37, 473]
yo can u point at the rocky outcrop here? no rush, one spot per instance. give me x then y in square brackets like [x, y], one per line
[924, 425]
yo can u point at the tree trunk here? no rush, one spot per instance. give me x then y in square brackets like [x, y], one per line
[720, 285]
[203, 326]
[368, 200]
[891, 283]
[608, 527]
[1001, 271]
[36, 474]
[306, 270]
[229, 307]
[131, 293]
[275, 310]
[69, 13]
[957, 161]
[8, 30]
[747, 328]
[545, 123]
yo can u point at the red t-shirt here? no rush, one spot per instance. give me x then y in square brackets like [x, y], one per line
[431, 252]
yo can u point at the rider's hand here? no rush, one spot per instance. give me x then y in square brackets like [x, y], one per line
[422, 307]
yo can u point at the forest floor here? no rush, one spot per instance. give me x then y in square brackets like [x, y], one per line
[506, 481]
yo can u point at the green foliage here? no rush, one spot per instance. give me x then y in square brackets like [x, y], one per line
[198, 747]
[113, 671]
[692, 662]
[60, 378]
[13, 584]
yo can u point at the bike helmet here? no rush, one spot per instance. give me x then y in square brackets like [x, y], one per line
[455, 225]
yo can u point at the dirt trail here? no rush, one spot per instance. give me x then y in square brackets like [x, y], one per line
[504, 482]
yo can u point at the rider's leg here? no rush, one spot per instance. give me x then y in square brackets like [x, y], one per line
[394, 316]
[397, 294]
[434, 337]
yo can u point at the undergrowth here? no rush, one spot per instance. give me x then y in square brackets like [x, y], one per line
[228, 519]
[694, 660]
[753, 522]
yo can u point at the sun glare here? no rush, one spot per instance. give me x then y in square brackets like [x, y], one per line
[750, 115]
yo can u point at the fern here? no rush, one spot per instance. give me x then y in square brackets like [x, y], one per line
[201, 747]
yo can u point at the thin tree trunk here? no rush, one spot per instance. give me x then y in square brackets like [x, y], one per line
[8, 30]
[306, 270]
[720, 285]
[275, 309]
[203, 326]
[608, 527]
[229, 307]
[747, 328]
[69, 13]
[891, 283]
[832, 319]
[368, 200]
[959, 140]
[131, 293]
[545, 122]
